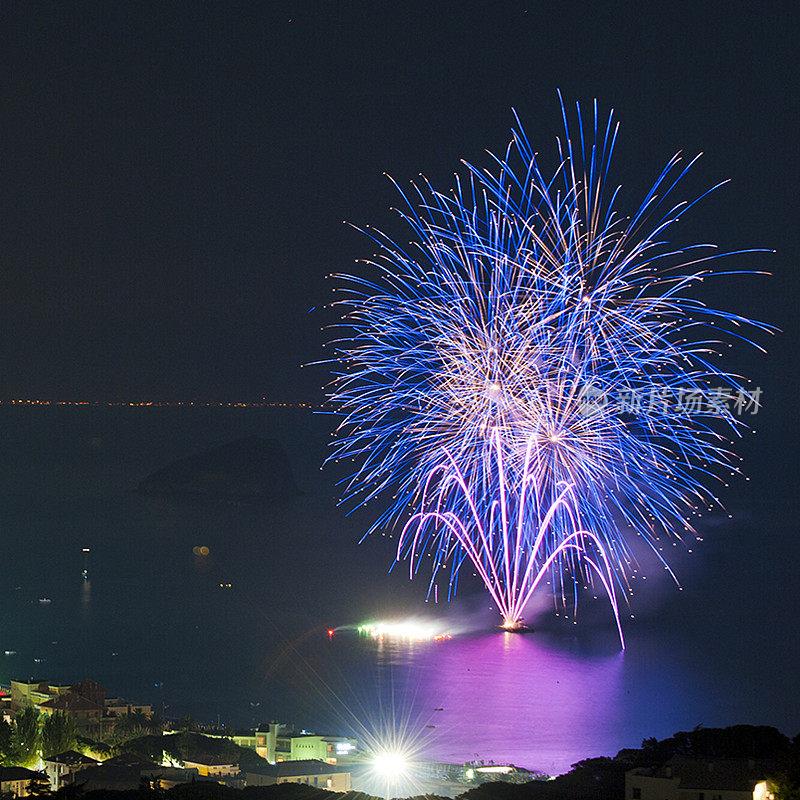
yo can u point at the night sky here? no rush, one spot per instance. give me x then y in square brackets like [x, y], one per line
[174, 176]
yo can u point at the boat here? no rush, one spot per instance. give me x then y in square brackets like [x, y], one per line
[45, 600]
[519, 627]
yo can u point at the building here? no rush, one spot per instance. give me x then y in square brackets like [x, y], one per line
[33, 693]
[117, 707]
[60, 768]
[118, 778]
[91, 690]
[306, 746]
[263, 740]
[763, 791]
[168, 777]
[131, 770]
[84, 701]
[5, 707]
[697, 779]
[211, 767]
[87, 714]
[17, 780]
[121, 773]
[310, 772]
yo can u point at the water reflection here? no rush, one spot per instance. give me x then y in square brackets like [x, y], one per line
[86, 598]
[513, 698]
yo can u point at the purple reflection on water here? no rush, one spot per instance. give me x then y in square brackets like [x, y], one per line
[510, 698]
[543, 700]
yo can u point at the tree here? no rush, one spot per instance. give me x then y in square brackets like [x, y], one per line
[156, 723]
[5, 740]
[141, 723]
[186, 723]
[785, 784]
[59, 733]
[99, 751]
[134, 726]
[24, 745]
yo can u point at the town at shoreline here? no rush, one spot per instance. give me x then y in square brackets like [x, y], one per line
[75, 740]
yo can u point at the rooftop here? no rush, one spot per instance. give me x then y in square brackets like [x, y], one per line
[114, 777]
[211, 761]
[128, 760]
[71, 702]
[16, 773]
[724, 774]
[70, 757]
[291, 769]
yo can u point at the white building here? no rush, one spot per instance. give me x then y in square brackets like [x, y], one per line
[698, 779]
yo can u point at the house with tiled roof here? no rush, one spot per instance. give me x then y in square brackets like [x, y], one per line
[91, 690]
[17, 780]
[61, 767]
[118, 778]
[84, 701]
[87, 714]
[73, 703]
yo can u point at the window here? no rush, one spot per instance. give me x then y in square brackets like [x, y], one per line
[637, 793]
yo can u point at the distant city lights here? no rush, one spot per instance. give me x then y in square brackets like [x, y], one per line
[262, 403]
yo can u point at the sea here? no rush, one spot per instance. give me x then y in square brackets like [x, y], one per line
[239, 614]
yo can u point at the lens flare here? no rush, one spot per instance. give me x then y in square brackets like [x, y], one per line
[389, 765]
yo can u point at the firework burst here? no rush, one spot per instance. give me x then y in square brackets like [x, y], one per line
[481, 368]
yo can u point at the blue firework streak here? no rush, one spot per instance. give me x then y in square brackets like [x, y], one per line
[480, 368]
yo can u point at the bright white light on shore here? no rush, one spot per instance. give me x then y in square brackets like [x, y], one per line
[390, 765]
[409, 629]
[394, 747]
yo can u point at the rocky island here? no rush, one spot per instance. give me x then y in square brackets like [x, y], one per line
[252, 469]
